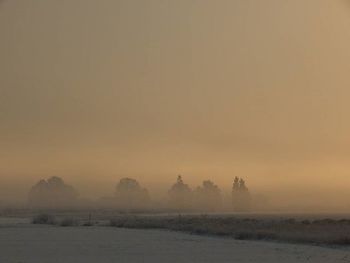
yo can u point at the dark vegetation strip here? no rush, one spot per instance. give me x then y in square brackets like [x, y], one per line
[335, 232]
[319, 232]
[48, 219]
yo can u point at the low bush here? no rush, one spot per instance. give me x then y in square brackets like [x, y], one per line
[69, 222]
[44, 219]
[90, 223]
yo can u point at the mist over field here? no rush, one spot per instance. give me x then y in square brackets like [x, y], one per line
[94, 92]
[174, 131]
[128, 194]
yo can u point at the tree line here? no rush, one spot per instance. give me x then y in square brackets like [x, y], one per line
[130, 195]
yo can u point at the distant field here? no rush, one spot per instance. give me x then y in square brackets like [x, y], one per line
[315, 231]
[318, 229]
[106, 214]
[110, 236]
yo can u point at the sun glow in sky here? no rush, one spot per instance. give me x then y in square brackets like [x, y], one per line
[96, 90]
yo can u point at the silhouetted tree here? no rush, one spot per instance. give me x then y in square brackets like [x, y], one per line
[52, 193]
[130, 195]
[208, 196]
[242, 185]
[241, 198]
[180, 195]
[236, 184]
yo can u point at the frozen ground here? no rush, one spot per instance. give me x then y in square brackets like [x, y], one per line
[21, 242]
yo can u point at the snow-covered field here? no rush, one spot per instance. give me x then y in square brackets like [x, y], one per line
[21, 242]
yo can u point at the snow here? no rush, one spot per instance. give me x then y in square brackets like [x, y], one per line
[26, 243]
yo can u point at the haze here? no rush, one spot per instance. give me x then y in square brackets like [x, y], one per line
[94, 91]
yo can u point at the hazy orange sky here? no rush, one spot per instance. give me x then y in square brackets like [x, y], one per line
[96, 90]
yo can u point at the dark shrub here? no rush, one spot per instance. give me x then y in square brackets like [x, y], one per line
[44, 219]
[341, 241]
[306, 222]
[117, 222]
[90, 223]
[290, 221]
[69, 222]
[244, 236]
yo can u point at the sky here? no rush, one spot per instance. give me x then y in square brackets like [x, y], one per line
[94, 91]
